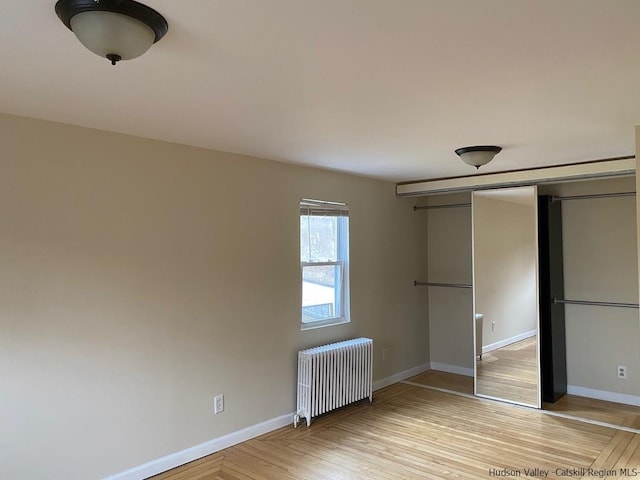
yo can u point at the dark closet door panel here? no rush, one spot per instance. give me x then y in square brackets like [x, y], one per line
[553, 363]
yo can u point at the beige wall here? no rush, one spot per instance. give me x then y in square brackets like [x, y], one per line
[637, 189]
[600, 264]
[449, 261]
[141, 278]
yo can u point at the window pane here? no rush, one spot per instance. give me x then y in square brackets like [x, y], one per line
[321, 287]
[318, 238]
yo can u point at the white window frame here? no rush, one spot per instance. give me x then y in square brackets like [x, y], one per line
[341, 211]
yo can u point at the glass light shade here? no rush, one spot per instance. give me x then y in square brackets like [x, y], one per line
[478, 155]
[477, 159]
[107, 33]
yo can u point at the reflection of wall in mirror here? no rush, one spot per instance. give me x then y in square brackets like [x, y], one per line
[506, 279]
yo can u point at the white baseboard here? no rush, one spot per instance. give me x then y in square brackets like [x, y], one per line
[398, 377]
[198, 451]
[174, 460]
[508, 341]
[604, 395]
[444, 367]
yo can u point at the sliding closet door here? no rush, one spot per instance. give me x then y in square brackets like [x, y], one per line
[505, 271]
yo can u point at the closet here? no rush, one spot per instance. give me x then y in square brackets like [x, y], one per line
[595, 288]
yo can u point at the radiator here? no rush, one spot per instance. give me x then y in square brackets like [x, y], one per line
[332, 376]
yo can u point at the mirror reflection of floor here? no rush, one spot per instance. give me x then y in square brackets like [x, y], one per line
[580, 407]
[510, 372]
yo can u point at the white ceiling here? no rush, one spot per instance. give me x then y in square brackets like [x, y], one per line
[383, 88]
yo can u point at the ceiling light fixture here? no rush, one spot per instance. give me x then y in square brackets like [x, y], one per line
[478, 155]
[113, 29]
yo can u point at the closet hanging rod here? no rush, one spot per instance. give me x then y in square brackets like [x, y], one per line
[446, 205]
[595, 195]
[435, 284]
[600, 304]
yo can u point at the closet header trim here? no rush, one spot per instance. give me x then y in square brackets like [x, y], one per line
[615, 167]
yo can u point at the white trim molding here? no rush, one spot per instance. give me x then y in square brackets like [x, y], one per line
[444, 367]
[508, 341]
[604, 395]
[398, 377]
[174, 460]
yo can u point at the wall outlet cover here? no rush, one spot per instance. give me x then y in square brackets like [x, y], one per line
[218, 404]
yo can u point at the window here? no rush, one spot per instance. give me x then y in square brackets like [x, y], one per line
[324, 262]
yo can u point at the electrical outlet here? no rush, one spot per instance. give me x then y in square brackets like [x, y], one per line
[622, 371]
[493, 326]
[218, 404]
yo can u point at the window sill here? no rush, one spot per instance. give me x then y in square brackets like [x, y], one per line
[322, 324]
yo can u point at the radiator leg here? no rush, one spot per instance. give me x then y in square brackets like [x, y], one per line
[308, 422]
[296, 421]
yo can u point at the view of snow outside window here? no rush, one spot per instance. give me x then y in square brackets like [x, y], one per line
[322, 270]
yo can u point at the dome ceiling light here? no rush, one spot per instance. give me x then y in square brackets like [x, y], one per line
[478, 155]
[113, 29]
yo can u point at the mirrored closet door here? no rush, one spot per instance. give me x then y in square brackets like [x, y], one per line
[505, 279]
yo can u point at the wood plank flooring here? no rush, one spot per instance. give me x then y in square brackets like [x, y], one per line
[579, 407]
[412, 432]
[597, 410]
[448, 381]
[510, 372]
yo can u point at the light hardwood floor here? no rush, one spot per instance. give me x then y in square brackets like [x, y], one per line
[445, 380]
[579, 407]
[413, 432]
[597, 410]
[510, 372]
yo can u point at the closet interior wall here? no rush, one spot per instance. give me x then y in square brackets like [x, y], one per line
[600, 264]
[449, 261]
